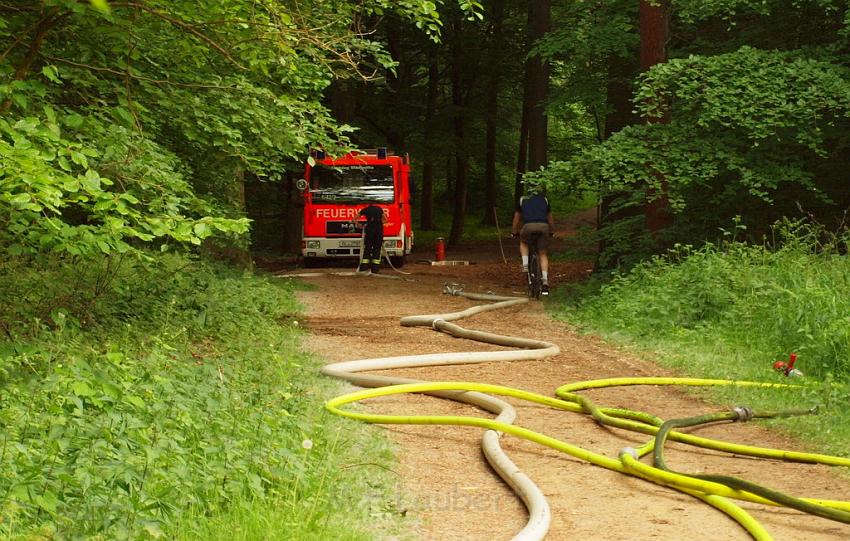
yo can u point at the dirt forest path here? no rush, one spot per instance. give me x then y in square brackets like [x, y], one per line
[445, 485]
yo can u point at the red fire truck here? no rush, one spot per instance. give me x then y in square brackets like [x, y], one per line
[336, 189]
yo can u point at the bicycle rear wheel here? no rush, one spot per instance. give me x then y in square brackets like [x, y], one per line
[534, 277]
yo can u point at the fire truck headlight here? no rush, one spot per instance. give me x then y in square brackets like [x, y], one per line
[389, 244]
[313, 244]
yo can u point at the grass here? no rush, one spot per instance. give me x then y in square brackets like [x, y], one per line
[170, 399]
[730, 310]
[342, 486]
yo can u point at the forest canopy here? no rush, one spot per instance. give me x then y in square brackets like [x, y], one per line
[126, 124]
[132, 124]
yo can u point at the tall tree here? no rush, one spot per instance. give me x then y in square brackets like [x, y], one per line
[621, 71]
[539, 70]
[426, 204]
[522, 147]
[459, 122]
[654, 33]
[496, 48]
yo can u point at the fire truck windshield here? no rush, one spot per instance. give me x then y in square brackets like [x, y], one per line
[352, 183]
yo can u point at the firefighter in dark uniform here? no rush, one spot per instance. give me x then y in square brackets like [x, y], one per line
[373, 238]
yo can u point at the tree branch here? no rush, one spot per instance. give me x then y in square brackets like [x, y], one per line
[41, 28]
[136, 77]
[184, 26]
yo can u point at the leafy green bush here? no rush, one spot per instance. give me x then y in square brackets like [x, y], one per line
[177, 392]
[774, 301]
[730, 309]
[56, 196]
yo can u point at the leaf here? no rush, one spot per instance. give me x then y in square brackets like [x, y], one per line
[101, 5]
[50, 113]
[74, 120]
[79, 158]
[51, 73]
[125, 115]
[82, 388]
[91, 181]
[20, 199]
[20, 100]
[111, 390]
[201, 229]
[47, 501]
[136, 401]
[154, 530]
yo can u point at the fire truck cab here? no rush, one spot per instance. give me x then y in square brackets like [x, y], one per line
[335, 190]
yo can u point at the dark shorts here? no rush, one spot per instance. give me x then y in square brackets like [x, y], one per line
[529, 230]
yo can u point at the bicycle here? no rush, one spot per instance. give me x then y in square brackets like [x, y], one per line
[535, 274]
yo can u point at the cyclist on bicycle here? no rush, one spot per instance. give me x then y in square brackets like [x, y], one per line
[533, 217]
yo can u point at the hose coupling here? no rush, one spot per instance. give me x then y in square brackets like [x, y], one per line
[631, 451]
[435, 322]
[452, 288]
[744, 413]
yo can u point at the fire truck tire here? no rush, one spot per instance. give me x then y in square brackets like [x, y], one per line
[398, 261]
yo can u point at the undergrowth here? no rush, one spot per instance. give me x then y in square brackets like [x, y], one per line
[167, 399]
[730, 309]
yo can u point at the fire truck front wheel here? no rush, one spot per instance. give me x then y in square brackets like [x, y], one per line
[397, 261]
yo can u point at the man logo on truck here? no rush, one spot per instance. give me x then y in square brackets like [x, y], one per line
[335, 190]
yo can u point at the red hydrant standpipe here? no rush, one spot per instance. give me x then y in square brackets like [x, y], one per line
[791, 360]
[788, 368]
[440, 247]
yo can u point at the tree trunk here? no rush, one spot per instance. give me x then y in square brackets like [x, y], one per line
[621, 114]
[343, 102]
[538, 124]
[427, 204]
[461, 187]
[41, 28]
[522, 152]
[654, 32]
[492, 100]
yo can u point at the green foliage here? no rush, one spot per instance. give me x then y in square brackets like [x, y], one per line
[759, 301]
[763, 95]
[729, 310]
[751, 114]
[127, 124]
[584, 48]
[55, 199]
[179, 393]
[746, 122]
[321, 502]
[693, 11]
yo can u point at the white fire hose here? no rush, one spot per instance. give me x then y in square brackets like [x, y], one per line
[539, 516]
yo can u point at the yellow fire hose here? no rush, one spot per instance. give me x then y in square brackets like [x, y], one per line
[716, 491]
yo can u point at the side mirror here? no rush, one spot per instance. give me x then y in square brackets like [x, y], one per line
[301, 184]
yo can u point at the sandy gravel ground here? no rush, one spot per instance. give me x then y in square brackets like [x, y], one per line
[445, 485]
